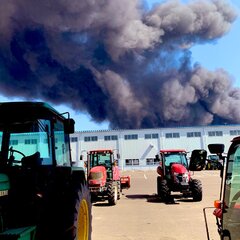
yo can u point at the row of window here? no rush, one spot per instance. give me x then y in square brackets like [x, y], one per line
[234, 132]
[155, 136]
[134, 162]
[135, 137]
[29, 141]
[215, 133]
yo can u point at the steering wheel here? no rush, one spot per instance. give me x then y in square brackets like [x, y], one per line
[12, 158]
[234, 199]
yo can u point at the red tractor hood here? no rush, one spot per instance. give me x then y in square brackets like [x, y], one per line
[178, 168]
[97, 176]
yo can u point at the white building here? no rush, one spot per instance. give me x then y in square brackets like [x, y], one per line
[138, 147]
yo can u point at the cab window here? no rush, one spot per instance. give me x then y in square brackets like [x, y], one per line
[61, 145]
[231, 214]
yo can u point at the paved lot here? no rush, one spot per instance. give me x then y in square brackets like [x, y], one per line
[140, 215]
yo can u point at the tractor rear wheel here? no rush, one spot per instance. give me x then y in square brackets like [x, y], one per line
[196, 188]
[112, 193]
[119, 190]
[82, 217]
[162, 189]
[66, 215]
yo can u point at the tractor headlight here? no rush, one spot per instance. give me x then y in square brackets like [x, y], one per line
[176, 177]
[185, 177]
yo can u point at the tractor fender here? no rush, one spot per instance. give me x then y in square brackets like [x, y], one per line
[116, 173]
[160, 171]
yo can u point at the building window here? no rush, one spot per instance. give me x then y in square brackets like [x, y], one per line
[215, 133]
[30, 141]
[111, 137]
[13, 142]
[74, 139]
[176, 135]
[172, 135]
[194, 134]
[219, 133]
[131, 162]
[150, 136]
[211, 134]
[155, 135]
[168, 135]
[234, 132]
[131, 137]
[90, 139]
[152, 161]
[190, 134]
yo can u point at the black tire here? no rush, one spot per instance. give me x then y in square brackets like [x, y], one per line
[119, 190]
[66, 214]
[158, 186]
[163, 189]
[112, 193]
[196, 189]
[83, 215]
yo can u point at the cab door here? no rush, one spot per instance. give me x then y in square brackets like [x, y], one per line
[231, 193]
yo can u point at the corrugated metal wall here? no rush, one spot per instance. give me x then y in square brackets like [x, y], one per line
[137, 153]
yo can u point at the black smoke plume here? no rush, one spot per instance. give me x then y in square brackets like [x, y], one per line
[117, 60]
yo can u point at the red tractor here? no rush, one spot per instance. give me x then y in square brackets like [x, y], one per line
[104, 178]
[174, 176]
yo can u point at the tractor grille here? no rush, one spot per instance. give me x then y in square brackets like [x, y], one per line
[95, 175]
[180, 178]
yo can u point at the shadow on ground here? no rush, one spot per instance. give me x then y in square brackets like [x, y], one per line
[102, 204]
[151, 198]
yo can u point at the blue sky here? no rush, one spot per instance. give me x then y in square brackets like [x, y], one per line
[225, 53]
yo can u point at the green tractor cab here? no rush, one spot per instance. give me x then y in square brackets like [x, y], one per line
[42, 195]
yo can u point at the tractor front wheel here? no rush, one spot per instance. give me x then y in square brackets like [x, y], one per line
[196, 188]
[112, 193]
[66, 215]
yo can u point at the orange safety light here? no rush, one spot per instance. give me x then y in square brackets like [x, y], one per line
[217, 204]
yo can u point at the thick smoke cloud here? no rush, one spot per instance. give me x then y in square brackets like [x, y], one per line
[118, 61]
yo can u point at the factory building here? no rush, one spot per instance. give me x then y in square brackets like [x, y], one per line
[137, 147]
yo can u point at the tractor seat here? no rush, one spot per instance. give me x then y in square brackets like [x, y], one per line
[32, 161]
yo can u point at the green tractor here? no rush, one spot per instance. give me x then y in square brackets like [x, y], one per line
[42, 195]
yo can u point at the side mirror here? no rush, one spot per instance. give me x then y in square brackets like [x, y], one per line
[216, 148]
[157, 158]
[197, 160]
[69, 126]
[81, 157]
